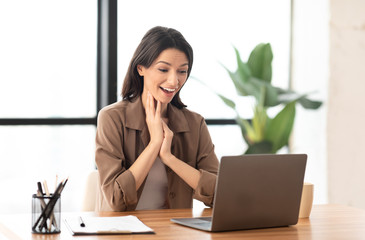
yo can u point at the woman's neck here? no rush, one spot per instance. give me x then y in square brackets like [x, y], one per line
[163, 105]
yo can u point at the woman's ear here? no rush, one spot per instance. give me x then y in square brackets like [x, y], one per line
[140, 69]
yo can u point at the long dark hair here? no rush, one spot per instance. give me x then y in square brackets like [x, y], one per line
[153, 43]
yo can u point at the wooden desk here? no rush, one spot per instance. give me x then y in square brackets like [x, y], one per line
[326, 222]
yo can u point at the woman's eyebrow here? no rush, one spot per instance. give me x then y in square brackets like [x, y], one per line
[167, 63]
[185, 64]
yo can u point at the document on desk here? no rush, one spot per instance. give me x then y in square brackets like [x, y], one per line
[106, 225]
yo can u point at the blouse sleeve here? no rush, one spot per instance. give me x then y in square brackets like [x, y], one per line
[117, 183]
[207, 164]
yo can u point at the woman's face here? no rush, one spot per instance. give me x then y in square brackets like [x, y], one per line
[166, 75]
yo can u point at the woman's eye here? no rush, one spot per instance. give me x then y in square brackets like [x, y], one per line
[162, 70]
[183, 71]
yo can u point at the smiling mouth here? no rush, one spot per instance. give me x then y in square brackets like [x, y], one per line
[168, 90]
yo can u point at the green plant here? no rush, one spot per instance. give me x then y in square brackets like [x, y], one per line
[264, 134]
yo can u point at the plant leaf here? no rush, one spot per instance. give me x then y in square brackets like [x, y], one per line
[243, 70]
[280, 127]
[227, 101]
[246, 129]
[270, 94]
[259, 122]
[242, 88]
[309, 104]
[259, 148]
[289, 96]
[259, 62]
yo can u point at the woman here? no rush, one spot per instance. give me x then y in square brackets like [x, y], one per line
[151, 152]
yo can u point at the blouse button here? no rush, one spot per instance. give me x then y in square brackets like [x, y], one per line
[172, 195]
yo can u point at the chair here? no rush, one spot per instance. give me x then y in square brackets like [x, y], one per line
[90, 196]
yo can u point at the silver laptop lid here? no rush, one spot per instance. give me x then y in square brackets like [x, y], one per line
[258, 191]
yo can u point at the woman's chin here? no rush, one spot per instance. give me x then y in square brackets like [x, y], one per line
[165, 99]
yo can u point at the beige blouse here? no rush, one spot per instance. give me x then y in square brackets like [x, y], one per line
[121, 136]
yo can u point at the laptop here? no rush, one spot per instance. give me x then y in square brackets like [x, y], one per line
[254, 191]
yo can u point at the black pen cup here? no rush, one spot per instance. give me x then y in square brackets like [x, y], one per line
[46, 214]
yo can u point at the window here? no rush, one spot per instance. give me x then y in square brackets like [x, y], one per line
[48, 78]
[48, 89]
[212, 28]
[48, 60]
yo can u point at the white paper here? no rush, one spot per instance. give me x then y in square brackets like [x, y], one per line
[104, 225]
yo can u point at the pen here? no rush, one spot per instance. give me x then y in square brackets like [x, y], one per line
[46, 188]
[55, 185]
[40, 188]
[52, 215]
[82, 224]
[50, 205]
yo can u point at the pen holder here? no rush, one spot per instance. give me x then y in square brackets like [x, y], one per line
[46, 214]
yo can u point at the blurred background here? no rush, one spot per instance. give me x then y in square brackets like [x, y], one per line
[51, 71]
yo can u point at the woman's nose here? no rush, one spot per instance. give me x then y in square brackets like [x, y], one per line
[173, 79]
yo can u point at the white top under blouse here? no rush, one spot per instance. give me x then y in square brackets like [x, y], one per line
[155, 189]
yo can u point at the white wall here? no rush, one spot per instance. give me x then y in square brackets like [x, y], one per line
[346, 113]
[329, 56]
[310, 75]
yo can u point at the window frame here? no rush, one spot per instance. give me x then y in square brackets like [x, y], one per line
[107, 72]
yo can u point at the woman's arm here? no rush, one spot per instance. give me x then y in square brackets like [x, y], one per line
[145, 160]
[189, 174]
[119, 184]
[143, 163]
[203, 178]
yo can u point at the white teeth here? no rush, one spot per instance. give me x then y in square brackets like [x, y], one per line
[169, 89]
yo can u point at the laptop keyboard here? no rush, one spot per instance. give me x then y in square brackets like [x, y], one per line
[203, 221]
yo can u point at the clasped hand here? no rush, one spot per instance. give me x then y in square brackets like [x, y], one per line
[160, 134]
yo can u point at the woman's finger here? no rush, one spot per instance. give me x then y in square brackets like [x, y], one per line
[158, 109]
[152, 104]
[167, 130]
[165, 150]
[147, 108]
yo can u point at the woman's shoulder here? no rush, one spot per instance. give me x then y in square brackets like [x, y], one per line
[115, 112]
[191, 116]
[124, 112]
[114, 109]
[119, 106]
